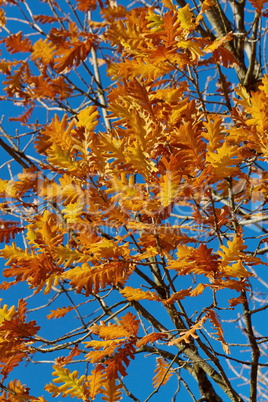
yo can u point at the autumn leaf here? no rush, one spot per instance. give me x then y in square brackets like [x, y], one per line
[96, 379]
[72, 384]
[151, 338]
[74, 55]
[185, 336]
[16, 43]
[180, 295]
[111, 391]
[138, 294]
[86, 5]
[60, 312]
[224, 161]
[44, 50]
[258, 4]
[88, 118]
[6, 313]
[134, 184]
[162, 373]
[212, 316]
[186, 18]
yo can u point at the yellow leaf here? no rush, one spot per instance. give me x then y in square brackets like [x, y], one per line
[170, 95]
[137, 294]
[6, 313]
[107, 345]
[155, 21]
[198, 290]
[237, 270]
[193, 47]
[58, 132]
[244, 95]
[150, 252]
[185, 17]
[169, 4]
[217, 43]
[61, 157]
[206, 5]
[72, 212]
[232, 251]
[44, 50]
[88, 118]
[2, 18]
[214, 134]
[140, 159]
[224, 160]
[258, 111]
[72, 384]
[264, 85]
[169, 188]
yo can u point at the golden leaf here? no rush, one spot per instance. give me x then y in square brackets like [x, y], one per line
[44, 50]
[138, 294]
[186, 17]
[88, 118]
[224, 161]
[72, 384]
[237, 270]
[73, 211]
[6, 313]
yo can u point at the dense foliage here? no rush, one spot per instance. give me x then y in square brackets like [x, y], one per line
[133, 200]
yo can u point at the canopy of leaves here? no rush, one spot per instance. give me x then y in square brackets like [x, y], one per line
[139, 209]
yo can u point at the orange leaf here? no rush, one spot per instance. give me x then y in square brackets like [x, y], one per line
[212, 316]
[258, 4]
[162, 372]
[15, 43]
[130, 323]
[185, 336]
[87, 5]
[74, 55]
[8, 230]
[62, 361]
[60, 312]
[17, 328]
[96, 379]
[237, 300]
[180, 295]
[111, 392]
[150, 338]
